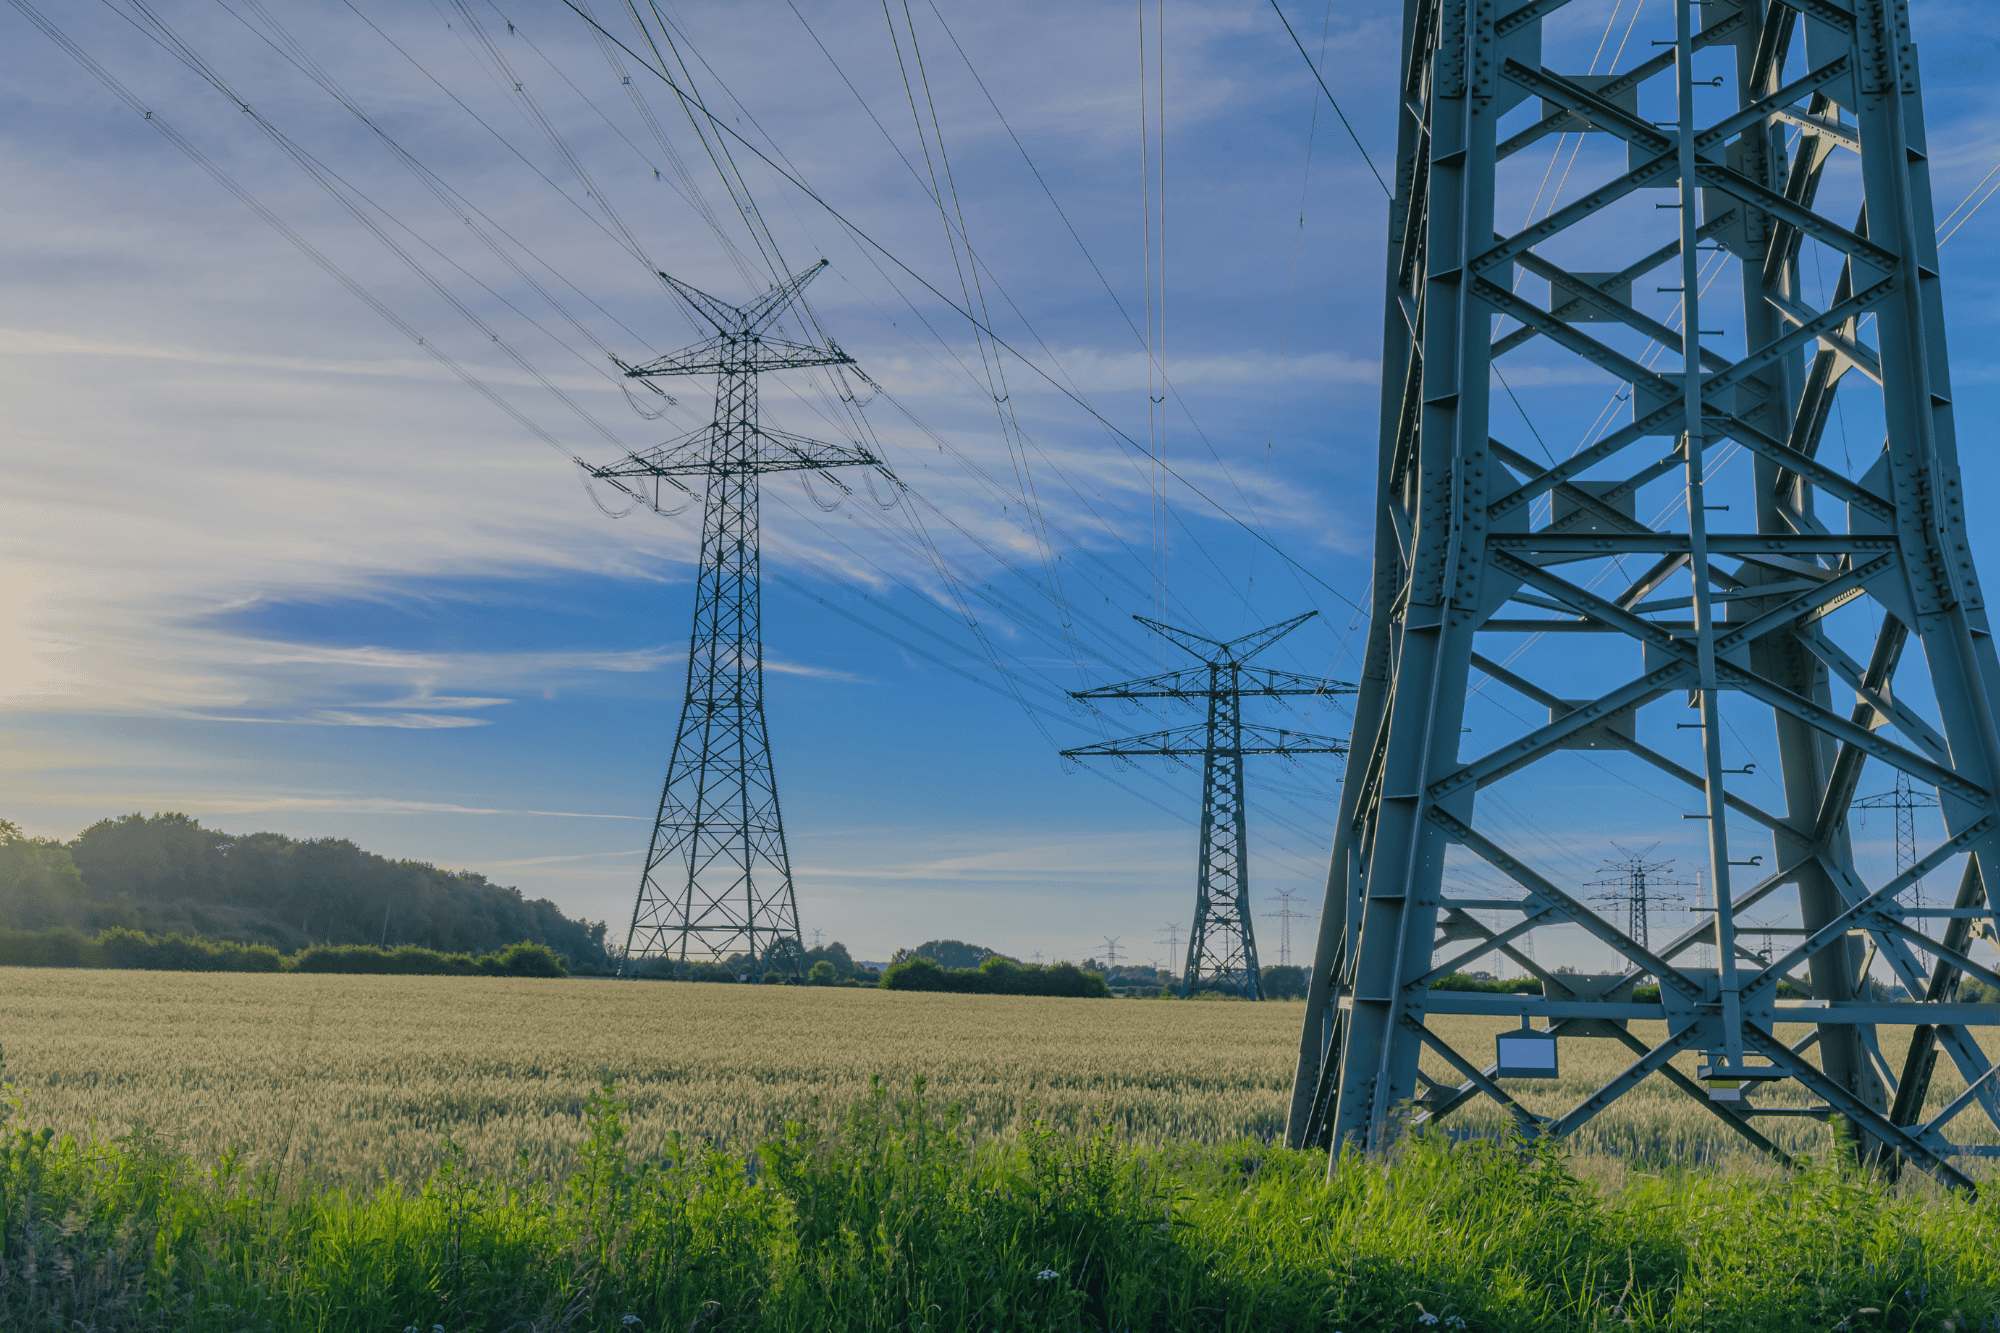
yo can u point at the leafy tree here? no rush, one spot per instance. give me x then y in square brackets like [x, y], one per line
[995, 976]
[822, 973]
[1283, 982]
[836, 954]
[165, 874]
[947, 953]
[38, 881]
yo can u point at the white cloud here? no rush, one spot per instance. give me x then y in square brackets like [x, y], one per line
[407, 721]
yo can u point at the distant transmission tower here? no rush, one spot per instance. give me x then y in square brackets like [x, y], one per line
[1111, 950]
[1635, 883]
[1173, 929]
[1287, 913]
[717, 876]
[1905, 800]
[1221, 946]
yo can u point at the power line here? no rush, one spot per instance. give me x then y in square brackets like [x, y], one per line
[1387, 193]
[862, 235]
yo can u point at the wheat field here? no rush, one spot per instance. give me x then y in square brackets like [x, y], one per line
[351, 1076]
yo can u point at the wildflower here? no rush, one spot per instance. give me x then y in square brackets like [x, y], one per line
[1047, 1275]
[1427, 1319]
[630, 1321]
[1454, 1321]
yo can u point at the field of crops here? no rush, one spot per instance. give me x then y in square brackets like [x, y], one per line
[348, 1076]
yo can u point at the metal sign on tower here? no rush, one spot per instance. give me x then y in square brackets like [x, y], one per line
[1701, 572]
[717, 877]
[1222, 947]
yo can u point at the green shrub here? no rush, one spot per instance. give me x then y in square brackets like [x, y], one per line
[524, 960]
[822, 973]
[122, 948]
[180, 953]
[1515, 986]
[407, 960]
[996, 976]
[61, 947]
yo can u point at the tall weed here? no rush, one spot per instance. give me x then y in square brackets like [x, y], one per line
[889, 1216]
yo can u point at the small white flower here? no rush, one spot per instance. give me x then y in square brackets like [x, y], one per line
[1046, 1275]
[1427, 1320]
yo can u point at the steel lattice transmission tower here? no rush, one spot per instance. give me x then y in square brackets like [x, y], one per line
[1702, 560]
[1633, 884]
[1222, 947]
[1287, 913]
[717, 876]
[1905, 800]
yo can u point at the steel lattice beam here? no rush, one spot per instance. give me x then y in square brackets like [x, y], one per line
[1487, 561]
[718, 877]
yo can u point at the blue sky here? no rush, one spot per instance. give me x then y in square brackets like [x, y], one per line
[272, 563]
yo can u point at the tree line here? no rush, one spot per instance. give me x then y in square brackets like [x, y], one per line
[166, 875]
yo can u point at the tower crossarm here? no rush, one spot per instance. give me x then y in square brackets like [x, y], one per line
[1220, 652]
[782, 452]
[1197, 683]
[738, 354]
[1890, 800]
[750, 319]
[1193, 739]
[694, 454]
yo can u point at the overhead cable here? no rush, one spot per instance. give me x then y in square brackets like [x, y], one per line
[861, 234]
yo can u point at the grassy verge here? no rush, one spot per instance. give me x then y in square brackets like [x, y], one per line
[889, 1219]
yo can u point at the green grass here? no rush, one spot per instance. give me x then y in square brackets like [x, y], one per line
[887, 1217]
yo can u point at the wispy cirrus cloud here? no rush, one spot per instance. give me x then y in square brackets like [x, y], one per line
[329, 717]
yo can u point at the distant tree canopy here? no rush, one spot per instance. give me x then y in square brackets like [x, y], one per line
[1283, 981]
[995, 976]
[166, 874]
[39, 885]
[949, 954]
[742, 967]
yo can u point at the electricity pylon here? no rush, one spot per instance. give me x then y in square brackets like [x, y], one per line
[1222, 947]
[1634, 883]
[1287, 913]
[718, 876]
[1905, 800]
[1765, 574]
